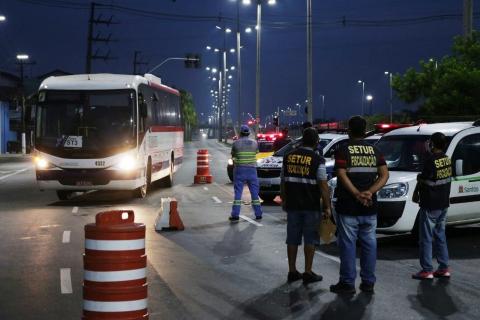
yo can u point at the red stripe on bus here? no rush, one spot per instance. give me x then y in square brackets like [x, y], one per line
[164, 88]
[166, 129]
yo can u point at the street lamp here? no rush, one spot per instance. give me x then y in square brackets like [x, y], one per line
[259, 42]
[389, 74]
[363, 94]
[2, 18]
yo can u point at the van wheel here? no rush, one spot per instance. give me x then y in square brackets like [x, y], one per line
[143, 190]
[64, 195]
[168, 180]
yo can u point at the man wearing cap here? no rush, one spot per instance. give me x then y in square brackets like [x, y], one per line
[244, 152]
[303, 183]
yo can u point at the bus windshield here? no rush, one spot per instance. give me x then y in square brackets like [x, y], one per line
[76, 123]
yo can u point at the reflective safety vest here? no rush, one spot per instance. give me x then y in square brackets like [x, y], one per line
[244, 152]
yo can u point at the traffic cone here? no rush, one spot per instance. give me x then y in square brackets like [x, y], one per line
[175, 221]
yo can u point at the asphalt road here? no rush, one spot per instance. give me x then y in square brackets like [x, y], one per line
[212, 270]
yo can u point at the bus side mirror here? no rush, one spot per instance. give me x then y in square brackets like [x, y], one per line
[459, 167]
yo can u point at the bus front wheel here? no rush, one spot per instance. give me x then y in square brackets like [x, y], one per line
[142, 191]
[63, 194]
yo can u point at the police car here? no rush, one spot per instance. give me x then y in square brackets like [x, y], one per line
[268, 169]
[405, 150]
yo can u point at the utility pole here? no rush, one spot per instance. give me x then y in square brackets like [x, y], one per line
[239, 71]
[137, 62]
[309, 63]
[22, 61]
[92, 39]
[257, 77]
[467, 18]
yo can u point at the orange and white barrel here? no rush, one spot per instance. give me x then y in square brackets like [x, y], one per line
[203, 168]
[115, 268]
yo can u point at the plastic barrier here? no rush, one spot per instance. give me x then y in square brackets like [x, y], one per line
[203, 168]
[115, 264]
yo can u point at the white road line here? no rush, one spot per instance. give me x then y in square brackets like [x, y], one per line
[66, 236]
[65, 281]
[330, 257]
[251, 221]
[216, 200]
[75, 210]
[205, 188]
[13, 173]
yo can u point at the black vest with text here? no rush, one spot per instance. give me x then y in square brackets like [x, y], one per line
[435, 182]
[300, 177]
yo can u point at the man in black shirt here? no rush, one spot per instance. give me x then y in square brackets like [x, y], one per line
[433, 194]
[361, 172]
[304, 182]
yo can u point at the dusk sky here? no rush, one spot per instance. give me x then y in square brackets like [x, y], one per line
[55, 38]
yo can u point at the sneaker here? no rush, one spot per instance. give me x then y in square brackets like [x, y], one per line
[343, 288]
[423, 275]
[367, 287]
[294, 276]
[258, 218]
[445, 273]
[310, 277]
[234, 219]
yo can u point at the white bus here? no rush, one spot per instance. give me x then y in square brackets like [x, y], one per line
[106, 132]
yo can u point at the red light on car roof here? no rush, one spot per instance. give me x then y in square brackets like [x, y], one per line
[385, 126]
[280, 134]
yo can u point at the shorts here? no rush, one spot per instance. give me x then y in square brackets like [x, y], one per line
[303, 223]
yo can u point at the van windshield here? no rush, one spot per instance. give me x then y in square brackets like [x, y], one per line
[404, 153]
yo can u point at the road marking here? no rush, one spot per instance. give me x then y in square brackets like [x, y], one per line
[330, 257]
[75, 210]
[205, 188]
[66, 236]
[251, 221]
[65, 281]
[13, 173]
[216, 200]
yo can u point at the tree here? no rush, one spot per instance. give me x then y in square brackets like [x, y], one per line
[189, 115]
[447, 89]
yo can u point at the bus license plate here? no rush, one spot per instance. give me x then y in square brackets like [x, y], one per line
[73, 142]
[83, 183]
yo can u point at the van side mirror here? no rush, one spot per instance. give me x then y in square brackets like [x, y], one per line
[459, 167]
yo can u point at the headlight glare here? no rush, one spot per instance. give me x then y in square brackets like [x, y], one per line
[42, 163]
[392, 191]
[126, 163]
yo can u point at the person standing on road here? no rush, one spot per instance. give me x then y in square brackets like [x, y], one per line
[361, 172]
[282, 141]
[244, 151]
[303, 183]
[433, 195]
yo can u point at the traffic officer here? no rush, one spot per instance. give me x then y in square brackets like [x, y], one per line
[433, 195]
[361, 172]
[303, 183]
[244, 152]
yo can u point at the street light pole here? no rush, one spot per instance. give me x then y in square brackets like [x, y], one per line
[257, 81]
[309, 62]
[239, 70]
[391, 94]
[363, 95]
[323, 107]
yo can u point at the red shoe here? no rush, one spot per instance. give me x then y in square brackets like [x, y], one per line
[445, 273]
[423, 275]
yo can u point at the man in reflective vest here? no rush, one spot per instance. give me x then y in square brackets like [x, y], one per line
[244, 152]
[362, 172]
[304, 182]
[433, 195]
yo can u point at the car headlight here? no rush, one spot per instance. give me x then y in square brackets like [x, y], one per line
[126, 163]
[394, 190]
[230, 162]
[42, 163]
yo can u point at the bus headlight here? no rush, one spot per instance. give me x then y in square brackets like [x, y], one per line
[126, 163]
[230, 162]
[41, 163]
[392, 191]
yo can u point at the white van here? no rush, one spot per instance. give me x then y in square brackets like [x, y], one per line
[405, 150]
